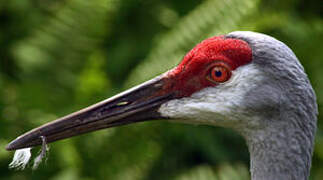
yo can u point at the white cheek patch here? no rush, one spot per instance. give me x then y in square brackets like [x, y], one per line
[219, 105]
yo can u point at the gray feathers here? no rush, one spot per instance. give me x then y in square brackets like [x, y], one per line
[282, 148]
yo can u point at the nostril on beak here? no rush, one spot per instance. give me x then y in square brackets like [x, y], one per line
[123, 103]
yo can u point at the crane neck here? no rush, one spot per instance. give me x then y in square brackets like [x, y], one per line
[281, 150]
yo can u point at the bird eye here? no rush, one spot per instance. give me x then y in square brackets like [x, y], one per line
[219, 74]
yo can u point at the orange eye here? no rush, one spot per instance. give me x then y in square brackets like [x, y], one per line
[219, 74]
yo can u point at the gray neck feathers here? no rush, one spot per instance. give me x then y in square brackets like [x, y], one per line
[282, 146]
[280, 152]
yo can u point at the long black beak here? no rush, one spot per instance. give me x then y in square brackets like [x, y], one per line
[138, 104]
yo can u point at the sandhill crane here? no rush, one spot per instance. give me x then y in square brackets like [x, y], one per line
[247, 81]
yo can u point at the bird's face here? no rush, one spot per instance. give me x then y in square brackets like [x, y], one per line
[221, 104]
[209, 86]
[211, 82]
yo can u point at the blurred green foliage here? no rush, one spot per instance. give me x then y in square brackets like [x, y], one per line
[59, 56]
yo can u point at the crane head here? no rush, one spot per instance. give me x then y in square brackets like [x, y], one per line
[228, 80]
[208, 64]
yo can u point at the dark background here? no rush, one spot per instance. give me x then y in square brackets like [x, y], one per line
[59, 56]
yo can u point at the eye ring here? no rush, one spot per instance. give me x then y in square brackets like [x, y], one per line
[219, 73]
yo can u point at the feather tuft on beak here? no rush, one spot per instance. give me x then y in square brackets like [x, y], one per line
[22, 157]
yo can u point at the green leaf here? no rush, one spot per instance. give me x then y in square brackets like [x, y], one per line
[209, 19]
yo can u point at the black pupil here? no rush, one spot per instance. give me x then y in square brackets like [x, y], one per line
[218, 73]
